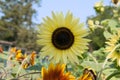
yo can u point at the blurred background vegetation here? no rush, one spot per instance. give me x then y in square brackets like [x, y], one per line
[16, 23]
[103, 24]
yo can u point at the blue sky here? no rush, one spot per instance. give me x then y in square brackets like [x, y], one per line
[79, 8]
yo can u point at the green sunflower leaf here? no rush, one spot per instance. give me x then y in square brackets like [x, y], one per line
[35, 67]
[112, 24]
[93, 65]
[107, 34]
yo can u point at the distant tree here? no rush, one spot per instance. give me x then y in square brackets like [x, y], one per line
[16, 14]
[16, 22]
[27, 39]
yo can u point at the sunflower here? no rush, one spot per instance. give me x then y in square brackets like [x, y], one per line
[32, 58]
[115, 2]
[13, 50]
[26, 65]
[19, 56]
[113, 46]
[88, 74]
[62, 38]
[56, 73]
[31, 61]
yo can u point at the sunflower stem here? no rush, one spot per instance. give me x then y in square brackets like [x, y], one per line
[93, 57]
[66, 68]
[28, 74]
[4, 74]
[21, 66]
[111, 75]
[103, 66]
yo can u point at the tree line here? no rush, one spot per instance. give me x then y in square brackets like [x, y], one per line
[16, 23]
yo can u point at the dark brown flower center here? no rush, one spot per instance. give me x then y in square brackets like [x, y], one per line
[62, 38]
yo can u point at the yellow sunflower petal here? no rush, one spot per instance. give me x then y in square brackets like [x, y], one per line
[56, 73]
[112, 47]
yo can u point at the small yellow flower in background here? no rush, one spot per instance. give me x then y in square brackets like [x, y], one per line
[112, 45]
[91, 24]
[13, 50]
[88, 74]
[102, 9]
[31, 60]
[98, 4]
[97, 22]
[19, 56]
[12, 53]
[56, 73]
[26, 65]
[62, 38]
[99, 7]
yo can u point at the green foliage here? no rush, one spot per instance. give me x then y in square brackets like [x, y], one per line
[15, 15]
[27, 39]
[99, 34]
[97, 39]
[104, 15]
